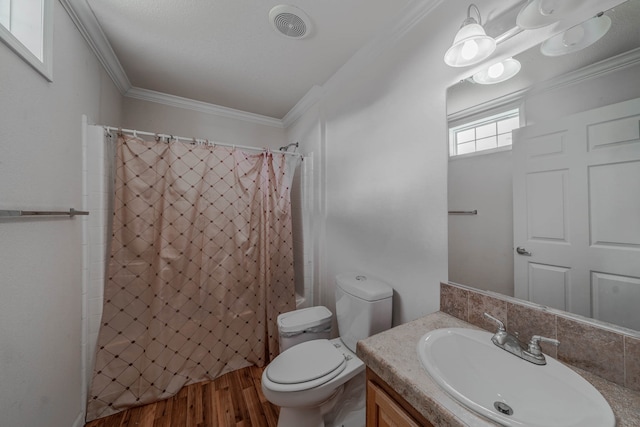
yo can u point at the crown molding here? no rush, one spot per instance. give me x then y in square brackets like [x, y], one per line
[86, 22]
[598, 69]
[411, 15]
[502, 101]
[84, 19]
[307, 101]
[202, 107]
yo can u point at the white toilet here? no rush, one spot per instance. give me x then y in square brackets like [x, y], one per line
[308, 377]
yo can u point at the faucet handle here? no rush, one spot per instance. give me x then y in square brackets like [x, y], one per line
[501, 327]
[534, 344]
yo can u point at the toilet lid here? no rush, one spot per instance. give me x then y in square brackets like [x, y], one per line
[306, 362]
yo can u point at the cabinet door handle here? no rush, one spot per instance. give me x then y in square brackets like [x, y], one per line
[522, 251]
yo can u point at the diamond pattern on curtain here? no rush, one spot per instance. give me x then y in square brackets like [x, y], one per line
[201, 265]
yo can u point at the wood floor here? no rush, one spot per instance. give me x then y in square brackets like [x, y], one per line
[235, 399]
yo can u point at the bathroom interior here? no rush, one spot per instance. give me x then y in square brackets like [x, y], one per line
[382, 208]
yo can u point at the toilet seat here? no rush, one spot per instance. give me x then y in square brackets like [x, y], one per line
[305, 366]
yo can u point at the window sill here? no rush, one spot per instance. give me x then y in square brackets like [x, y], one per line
[480, 153]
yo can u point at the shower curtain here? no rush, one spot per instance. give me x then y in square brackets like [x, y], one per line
[201, 265]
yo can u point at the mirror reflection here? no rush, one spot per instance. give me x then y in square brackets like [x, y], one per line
[557, 199]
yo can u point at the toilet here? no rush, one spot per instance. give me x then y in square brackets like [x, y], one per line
[308, 378]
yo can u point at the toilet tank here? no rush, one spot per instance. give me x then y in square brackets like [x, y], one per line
[306, 324]
[363, 307]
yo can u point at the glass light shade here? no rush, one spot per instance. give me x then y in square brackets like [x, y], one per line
[470, 46]
[540, 13]
[498, 72]
[578, 37]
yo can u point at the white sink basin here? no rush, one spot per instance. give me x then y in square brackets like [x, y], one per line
[478, 374]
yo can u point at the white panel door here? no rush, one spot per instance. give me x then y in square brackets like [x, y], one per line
[576, 202]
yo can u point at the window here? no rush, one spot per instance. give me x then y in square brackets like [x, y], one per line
[26, 27]
[489, 133]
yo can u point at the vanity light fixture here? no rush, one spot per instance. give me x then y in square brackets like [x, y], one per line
[540, 13]
[471, 44]
[578, 37]
[498, 72]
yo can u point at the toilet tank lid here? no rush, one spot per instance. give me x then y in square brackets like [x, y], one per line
[364, 287]
[305, 318]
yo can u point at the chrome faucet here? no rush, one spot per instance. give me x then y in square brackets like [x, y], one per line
[512, 344]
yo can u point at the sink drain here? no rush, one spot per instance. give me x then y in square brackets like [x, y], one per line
[503, 408]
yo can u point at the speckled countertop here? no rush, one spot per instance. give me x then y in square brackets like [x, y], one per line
[392, 355]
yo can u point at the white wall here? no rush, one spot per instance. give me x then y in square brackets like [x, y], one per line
[41, 259]
[160, 118]
[620, 85]
[381, 134]
[480, 246]
[383, 166]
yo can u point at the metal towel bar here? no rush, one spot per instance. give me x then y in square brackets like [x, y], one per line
[18, 213]
[474, 212]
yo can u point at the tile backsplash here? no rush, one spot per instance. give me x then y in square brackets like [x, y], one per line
[610, 354]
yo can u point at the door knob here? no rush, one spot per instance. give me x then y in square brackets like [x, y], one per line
[522, 251]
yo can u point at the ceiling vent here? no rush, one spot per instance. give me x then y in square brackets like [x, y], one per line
[290, 21]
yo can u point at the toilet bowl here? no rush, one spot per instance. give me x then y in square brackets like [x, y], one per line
[306, 380]
[307, 377]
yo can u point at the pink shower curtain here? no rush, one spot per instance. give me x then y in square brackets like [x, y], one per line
[201, 265]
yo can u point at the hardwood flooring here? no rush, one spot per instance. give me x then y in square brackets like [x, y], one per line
[232, 400]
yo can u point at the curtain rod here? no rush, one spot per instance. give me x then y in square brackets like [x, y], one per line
[135, 133]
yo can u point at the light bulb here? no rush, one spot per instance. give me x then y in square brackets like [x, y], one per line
[573, 36]
[496, 70]
[547, 7]
[469, 49]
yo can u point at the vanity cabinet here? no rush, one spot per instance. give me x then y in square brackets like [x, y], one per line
[386, 408]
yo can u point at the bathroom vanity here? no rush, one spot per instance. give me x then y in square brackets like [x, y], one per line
[401, 392]
[386, 407]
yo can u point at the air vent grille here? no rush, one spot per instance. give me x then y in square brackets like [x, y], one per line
[290, 21]
[290, 25]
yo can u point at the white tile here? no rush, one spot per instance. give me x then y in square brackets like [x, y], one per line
[96, 254]
[94, 323]
[96, 288]
[97, 270]
[97, 235]
[95, 306]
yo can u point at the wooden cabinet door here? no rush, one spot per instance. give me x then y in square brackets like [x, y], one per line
[383, 411]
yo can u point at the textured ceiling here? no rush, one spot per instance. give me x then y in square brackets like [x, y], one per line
[226, 52]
